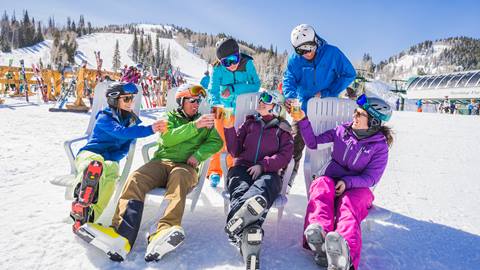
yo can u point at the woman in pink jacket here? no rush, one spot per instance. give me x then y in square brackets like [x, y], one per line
[340, 198]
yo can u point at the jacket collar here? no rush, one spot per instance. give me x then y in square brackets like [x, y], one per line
[377, 137]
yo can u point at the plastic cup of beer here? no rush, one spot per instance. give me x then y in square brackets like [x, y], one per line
[164, 118]
[296, 105]
[227, 112]
[217, 110]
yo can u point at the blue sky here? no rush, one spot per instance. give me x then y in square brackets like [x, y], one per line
[382, 28]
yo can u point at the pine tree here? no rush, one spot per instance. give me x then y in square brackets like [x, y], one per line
[39, 35]
[157, 52]
[135, 47]
[116, 57]
[141, 50]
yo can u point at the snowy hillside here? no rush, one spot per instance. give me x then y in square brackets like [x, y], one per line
[410, 64]
[432, 57]
[430, 188]
[188, 63]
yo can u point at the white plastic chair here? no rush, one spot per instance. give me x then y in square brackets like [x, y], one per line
[245, 105]
[68, 181]
[158, 193]
[325, 114]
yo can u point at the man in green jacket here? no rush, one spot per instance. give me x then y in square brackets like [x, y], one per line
[189, 140]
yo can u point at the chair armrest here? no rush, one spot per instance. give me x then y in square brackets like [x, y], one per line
[145, 149]
[68, 149]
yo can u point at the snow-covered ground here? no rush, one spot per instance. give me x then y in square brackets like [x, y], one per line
[431, 187]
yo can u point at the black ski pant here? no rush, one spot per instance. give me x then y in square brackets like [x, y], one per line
[241, 187]
[298, 146]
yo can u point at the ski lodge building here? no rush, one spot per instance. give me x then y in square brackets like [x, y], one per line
[458, 86]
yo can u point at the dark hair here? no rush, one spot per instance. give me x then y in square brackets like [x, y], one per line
[388, 133]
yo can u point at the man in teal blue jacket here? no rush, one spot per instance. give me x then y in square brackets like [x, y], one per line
[315, 69]
[233, 74]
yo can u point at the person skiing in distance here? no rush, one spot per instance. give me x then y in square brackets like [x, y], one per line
[340, 198]
[261, 147]
[98, 161]
[316, 69]
[233, 74]
[189, 140]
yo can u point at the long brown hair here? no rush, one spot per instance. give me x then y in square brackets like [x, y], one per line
[388, 133]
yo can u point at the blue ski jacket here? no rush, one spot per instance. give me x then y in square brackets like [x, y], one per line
[329, 73]
[243, 80]
[112, 134]
[205, 81]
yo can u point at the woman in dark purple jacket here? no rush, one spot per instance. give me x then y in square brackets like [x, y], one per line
[341, 196]
[261, 147]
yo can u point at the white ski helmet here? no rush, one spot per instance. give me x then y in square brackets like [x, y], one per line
[303, 35]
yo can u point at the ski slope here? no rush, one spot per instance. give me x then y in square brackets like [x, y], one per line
[189, 64]
[431, 187]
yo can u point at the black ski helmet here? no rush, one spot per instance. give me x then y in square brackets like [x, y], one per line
[226, 47]
[116, 89]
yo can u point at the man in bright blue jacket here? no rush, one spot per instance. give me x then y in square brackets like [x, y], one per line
[316, 69]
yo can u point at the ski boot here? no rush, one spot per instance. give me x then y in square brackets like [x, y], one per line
[214, 179]
[251, 211]
[315, 236]
[106, 239]
[163, 242]
[338, 252]
[250, 246]
[86, 194]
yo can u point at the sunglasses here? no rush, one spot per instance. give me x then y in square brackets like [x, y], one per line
[194, 100]
[357, 113]
[266, 98]
[230, 60]
[127, 99]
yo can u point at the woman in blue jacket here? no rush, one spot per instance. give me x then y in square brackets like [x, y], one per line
[98, 161]
[317, 69]
[233, 74]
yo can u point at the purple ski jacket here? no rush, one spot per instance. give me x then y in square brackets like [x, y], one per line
[360, 163]
[256, 142]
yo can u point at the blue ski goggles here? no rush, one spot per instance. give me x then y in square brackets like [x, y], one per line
[230, 60]
[266, 98]
[362, 102]
[130, 88]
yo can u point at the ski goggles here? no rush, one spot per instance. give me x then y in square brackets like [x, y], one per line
[306, 48]
[130, 88]
[266, 98]
[230, 60]
[362, 102]
[198, 91]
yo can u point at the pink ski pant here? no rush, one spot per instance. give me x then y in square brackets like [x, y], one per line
[343, 214]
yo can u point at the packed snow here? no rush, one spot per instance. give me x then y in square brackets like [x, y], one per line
[430, 186]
